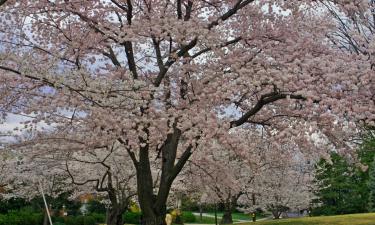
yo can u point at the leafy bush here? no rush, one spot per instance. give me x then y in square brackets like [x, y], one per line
[21, 218]
[11, 204]
[188, 217]
[99, 217]
[58, 223]
[95, 206]
[58, 219]
[132, 217]
[80, 220]
[189, 204]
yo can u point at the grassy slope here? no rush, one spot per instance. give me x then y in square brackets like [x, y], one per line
[352, 219]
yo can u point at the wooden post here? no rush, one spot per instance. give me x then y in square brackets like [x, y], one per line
[45, 204]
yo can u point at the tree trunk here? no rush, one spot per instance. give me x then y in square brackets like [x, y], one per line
[114, 216]
[200, 211]
[227, 217]
[154, 205]
[276, 214]
[229, 207]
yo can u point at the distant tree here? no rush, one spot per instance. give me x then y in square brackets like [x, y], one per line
[367, 155]
[339, 187]
[371, 187]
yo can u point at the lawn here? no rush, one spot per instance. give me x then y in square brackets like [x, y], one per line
[351, 219]
[206, 220]
[236, 216]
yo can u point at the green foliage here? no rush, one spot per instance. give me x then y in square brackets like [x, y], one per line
[80, 220]
[344, 188]
[371, 187]
[188, 217]
[131, 217]
[12, 204]
[341, 187]
[188, 204]
[368, 149]
[22, 217]
[37, 205]
[99, 217]
[58, 219]
[58, 223]
[95, 206]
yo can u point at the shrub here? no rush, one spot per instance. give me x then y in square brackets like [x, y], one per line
[80, 220]
[189, 204]
[132, 217]
[188, 217]
[99, 217]
[58, 223]
[21, 218]
[58, 219]
[95, 206]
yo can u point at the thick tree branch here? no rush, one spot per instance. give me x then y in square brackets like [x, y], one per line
[239, 5]
[2, 2]
[121, 6]
[234, 41]
[264, 100]
[189, 9]
[185, 48]
[179, 9]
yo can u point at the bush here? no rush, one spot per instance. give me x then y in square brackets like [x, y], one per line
[131, 217]
[58, 223]
[188, 217]
[80, 220]
[21, 218]
[99, 218]
[95, 206]
[189, 204]
[58, 219]
[11, 204]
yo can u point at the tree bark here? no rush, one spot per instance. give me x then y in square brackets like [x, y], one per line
[276, 214]
[227, 217]
[229, 206]
[114, 216]
[119, 204]
[153, 205]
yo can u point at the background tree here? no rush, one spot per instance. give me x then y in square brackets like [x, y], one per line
[371, 187]
[339, 187]
[367, 154]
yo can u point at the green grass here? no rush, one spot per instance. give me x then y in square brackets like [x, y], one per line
[206, 220]
[351, 219]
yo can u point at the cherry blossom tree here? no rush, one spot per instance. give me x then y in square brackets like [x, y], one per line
[163, 78]
[269, 175]
[281, 189]
[105, 171]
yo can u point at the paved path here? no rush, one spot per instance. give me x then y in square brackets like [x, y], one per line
[237, 221]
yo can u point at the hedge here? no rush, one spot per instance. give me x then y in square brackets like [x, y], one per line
[21, 218]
